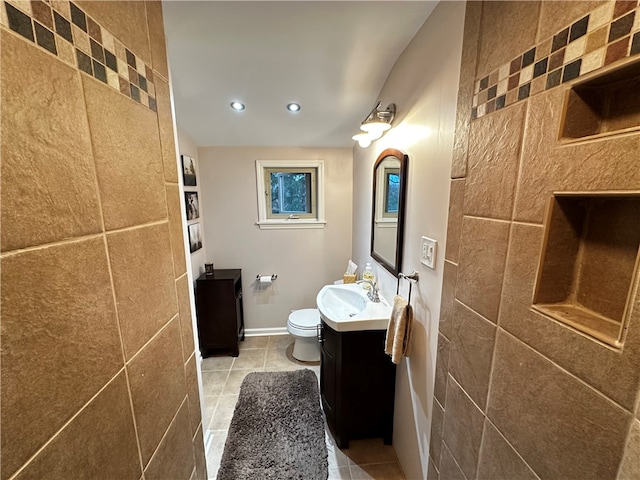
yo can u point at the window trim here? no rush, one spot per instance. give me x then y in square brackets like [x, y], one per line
[264, 220]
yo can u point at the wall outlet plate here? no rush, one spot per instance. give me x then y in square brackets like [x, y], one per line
[428, 247]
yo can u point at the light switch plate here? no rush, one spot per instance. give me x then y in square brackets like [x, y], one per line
[428, 248]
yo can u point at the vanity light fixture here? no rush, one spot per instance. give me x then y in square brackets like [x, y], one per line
[376, 123]
[294, 107]
[237, 106]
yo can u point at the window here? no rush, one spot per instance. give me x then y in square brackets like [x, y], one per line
[290, 194]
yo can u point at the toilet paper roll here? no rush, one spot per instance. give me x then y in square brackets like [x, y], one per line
[265, 280]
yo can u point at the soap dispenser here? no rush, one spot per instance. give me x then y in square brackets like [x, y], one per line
[367, 274]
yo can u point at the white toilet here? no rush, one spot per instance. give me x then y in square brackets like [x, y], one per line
[303, 325]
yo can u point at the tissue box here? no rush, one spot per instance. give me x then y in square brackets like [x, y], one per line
[349, 278]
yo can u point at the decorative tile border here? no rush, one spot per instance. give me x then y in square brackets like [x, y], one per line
[607, 34]
[65, 30]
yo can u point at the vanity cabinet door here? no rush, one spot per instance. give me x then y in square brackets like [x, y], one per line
[357, 385]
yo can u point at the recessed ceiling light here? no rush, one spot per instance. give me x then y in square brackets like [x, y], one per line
[293, 107]
[237, 106]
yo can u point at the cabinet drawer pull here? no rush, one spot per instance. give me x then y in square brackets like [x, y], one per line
[319, 333]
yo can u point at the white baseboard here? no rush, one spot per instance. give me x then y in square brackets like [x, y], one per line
[264, 332]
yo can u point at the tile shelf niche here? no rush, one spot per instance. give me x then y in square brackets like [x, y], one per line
[603, 105]
[589, 263]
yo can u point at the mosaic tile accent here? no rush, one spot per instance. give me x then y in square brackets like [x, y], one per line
[65, 30]
[609, 33]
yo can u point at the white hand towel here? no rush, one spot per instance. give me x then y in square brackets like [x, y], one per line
[398, 341]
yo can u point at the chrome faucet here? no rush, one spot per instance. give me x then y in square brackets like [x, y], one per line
[373, 291]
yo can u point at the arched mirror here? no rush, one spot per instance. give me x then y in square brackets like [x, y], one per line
[387, 225]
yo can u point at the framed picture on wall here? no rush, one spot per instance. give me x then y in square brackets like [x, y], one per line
[191, 204]
[189, 171]
[195, 237]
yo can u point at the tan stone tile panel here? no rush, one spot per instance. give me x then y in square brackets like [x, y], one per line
[96, 45]
[463, 425]
[442, 369]
[143, 281]
[134, 32]
[615, 373]
[48, 177]
[99, 443]
[156, 37]
[483, 253]
[630, 465]
[158, 387]
[186, 325]
[166, 131]
[532, 399]
[201, 461]
[194, 395]
[435, 441]
[472, 341]
[548, 165]
[456, 206]
[449, 469]
[472, 18]
[461, 139]
[432, 473]
[449, 281]
[174, 458]
[175, 226]
[508, 28]
[60, 341]
[494, 154]
[128, 157]
[499, 460]
[560, 54]
[556, 15]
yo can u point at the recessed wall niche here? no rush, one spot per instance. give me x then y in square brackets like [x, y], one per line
[603, 105]
[589, 263]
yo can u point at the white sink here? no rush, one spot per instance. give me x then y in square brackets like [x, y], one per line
[346, 308]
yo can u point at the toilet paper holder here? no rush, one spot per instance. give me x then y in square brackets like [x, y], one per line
[273, 277]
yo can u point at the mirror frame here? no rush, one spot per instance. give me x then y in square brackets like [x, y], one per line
[402, 194]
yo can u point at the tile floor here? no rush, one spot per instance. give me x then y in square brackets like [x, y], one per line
[222, 376]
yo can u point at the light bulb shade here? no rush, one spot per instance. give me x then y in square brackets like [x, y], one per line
[363, 139]
[375, 126]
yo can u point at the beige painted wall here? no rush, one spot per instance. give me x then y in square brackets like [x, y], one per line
[423, 84]
[304, 259]
[186, 146]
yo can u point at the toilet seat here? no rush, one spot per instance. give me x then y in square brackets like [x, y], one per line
[304, 322]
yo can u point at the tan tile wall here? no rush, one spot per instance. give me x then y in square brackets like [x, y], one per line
[518, 395]
[98, 365]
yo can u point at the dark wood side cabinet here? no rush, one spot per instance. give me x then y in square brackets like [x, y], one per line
[219, 312]
[357, 385]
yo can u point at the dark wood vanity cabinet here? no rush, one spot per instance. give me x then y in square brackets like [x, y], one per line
[357, 385]
[219, 312]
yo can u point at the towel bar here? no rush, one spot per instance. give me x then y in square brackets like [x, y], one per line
[411, 278]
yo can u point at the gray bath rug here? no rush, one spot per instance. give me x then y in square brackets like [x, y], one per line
[277, 429]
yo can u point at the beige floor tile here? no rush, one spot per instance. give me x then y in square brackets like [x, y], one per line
[254, 342]
[214, 452]
[222, 377]
[280, 341]
[232, 385]
[217, 363]
[277, 358]
[224, 412]
[213, 382]
[370, 450]
[341, 473]
[382, 471]
[336, 457]
[210, 404]
[250, 359]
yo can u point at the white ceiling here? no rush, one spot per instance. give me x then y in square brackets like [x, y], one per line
[331, 57]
